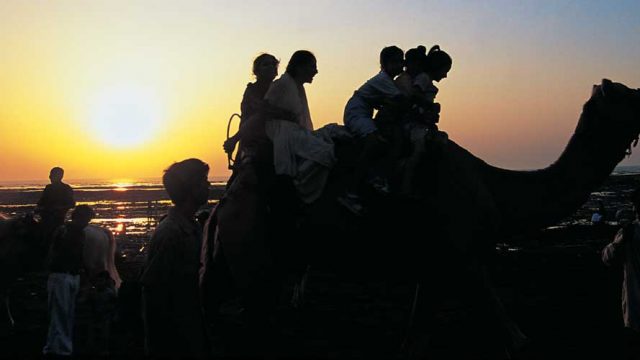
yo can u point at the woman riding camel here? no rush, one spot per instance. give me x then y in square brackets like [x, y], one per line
[265, 69]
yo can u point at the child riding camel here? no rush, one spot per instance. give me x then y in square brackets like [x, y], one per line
[377, 92]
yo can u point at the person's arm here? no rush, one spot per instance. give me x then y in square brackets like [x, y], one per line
[398, 101]
[70, 202]
[251, 124]
[44, 198]
[111, 266]
[613, 253]
[249, 106]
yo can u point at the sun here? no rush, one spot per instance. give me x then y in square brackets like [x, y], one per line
[124, 116]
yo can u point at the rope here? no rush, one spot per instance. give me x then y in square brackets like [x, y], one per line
[230, 160]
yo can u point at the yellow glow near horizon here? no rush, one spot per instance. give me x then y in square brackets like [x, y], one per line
[121, 184]
[119, 89]
[121, 187]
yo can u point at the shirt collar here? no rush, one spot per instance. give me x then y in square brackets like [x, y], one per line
[185, 224]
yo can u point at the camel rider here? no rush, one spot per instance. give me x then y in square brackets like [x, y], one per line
[421, 121]
[265, 69]
[377, 92]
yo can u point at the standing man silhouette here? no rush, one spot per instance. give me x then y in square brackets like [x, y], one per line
[56, 200]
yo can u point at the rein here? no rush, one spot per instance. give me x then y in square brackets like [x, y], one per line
[230, 160]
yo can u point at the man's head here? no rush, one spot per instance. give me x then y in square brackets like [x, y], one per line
[186, 182]
[303, 66]
[56, 174]
[82, 215]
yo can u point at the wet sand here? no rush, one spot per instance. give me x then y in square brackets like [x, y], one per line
[552, 283]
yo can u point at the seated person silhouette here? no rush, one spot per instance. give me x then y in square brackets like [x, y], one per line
[377, 92]
[421, 120]
[265, 70]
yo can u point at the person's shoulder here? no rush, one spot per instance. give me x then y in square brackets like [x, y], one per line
[381, 76]
[251, 87]
[166, 229]
[281, 81]
[95, 230]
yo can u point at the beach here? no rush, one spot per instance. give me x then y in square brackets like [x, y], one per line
[552, 282]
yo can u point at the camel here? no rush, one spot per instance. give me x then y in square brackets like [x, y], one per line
[466, 208]
[23, 249]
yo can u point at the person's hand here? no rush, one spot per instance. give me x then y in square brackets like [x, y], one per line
[230, 145]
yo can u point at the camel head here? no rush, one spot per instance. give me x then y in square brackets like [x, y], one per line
[611, 117]
[19, 236]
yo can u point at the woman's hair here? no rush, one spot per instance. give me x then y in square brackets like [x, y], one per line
[416, 54]
[437, 59]
[389, 53]
[260, 59]
[300, 57]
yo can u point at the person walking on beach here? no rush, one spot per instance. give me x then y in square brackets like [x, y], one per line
[65, 264]
[624, 250]
[600, 215]
[56, 200]
[172, 312]
[98, 291]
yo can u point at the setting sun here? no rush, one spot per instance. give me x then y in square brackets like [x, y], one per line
[122, 185]
[124, 116]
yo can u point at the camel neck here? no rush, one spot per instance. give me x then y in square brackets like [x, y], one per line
[534, 199]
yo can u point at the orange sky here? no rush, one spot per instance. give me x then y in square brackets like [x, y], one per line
[120, 89]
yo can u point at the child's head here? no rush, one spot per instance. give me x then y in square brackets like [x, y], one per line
[265, 67]
[414, 59]
[56, 174]
[437, 63]
[82, 215]
[392, 60]
[186, 181]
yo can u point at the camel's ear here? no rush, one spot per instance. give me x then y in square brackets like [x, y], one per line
[595, 89]
[606, 86]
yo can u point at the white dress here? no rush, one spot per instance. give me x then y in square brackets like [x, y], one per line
[298, 151]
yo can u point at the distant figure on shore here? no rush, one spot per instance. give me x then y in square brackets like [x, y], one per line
[56, 200]
[172, 310]
[624, 251]
[600, 215]
[65, 264]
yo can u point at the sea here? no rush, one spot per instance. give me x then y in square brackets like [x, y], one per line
[130, 207]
